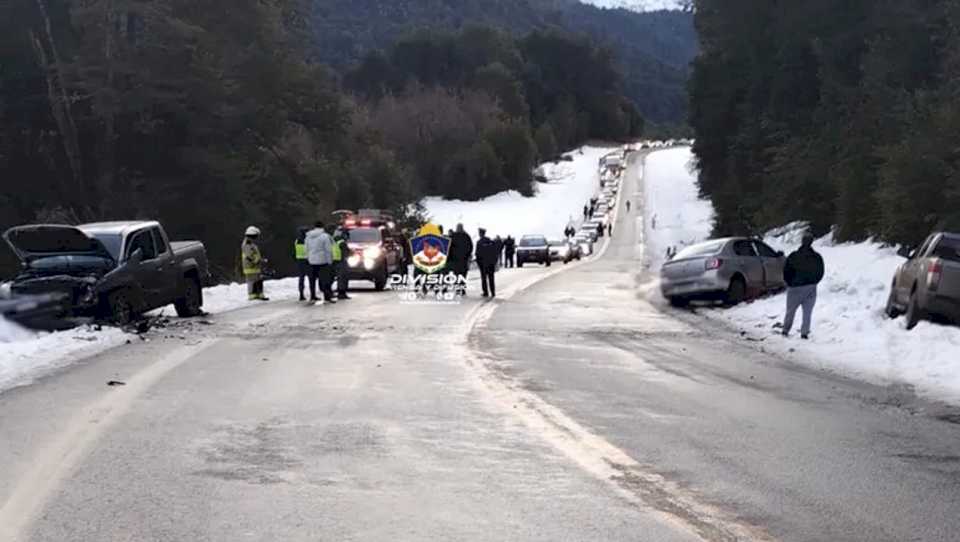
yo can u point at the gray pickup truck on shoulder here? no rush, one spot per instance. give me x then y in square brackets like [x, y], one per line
[110, 270]
[928, 283]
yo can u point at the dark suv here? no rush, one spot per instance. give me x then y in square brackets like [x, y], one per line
[533, 249]
[376, 249]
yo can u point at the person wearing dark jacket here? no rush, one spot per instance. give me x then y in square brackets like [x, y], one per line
[802, 273]
[461, 248]
[600, 229]
[487, 254]
[509, 251]
[341, 255]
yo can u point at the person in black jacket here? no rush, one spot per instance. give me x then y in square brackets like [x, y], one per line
[802, 272]
[509, 251]
[461, 248]
[487, 254]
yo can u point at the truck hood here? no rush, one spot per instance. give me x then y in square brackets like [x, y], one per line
[34, 242]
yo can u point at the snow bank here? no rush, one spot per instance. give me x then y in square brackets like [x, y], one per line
[557, 202]
[850, 335]
[675, 215]
[26, 355]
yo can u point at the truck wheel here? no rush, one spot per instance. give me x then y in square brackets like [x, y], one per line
[121, 307]
[914, 312]
[190, 304]
[519, 263]
[892, 311]
[548, 262]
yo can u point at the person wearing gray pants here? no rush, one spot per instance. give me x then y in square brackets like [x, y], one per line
[802, 272]
[800, 296]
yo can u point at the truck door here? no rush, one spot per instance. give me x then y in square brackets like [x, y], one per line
[147, 275]
[168, 272]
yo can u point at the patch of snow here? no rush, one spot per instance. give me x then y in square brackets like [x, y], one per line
[851, 334]
[675, 215]
[556, 204]
[27, 355]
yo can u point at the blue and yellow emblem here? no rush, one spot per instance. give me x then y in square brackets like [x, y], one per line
[429, 249]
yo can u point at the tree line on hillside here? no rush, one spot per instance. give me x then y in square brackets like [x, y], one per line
[210, 116]
[843, 113]
[652, 49]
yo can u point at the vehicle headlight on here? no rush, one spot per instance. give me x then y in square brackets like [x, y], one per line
[353, 261]
[369, 264]
[372, 253]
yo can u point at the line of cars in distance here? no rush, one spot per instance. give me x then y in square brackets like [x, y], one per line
[539, 249]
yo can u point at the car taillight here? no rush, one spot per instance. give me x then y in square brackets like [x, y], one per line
[934, 272]
[713, 263]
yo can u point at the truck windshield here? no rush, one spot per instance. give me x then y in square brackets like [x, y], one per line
[111, 241]
[948, 249]
[533, 242]
[365, 235]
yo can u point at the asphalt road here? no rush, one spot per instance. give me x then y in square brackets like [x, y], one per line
[569, 409]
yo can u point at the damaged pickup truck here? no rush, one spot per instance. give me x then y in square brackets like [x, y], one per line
[110, 270]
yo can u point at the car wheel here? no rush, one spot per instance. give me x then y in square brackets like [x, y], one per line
[190, 304]
[892, 311]
[121, 307]
[737, 291]
[914, 312]
[519, 263]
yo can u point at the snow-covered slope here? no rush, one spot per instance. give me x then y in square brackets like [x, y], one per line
[26, 355]
[850, 335]
[508, 213]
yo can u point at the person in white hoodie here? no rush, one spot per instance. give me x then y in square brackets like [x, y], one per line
[320, 256]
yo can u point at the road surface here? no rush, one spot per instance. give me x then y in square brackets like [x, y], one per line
[572, 408]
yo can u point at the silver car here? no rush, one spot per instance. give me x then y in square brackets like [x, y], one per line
[729, 270]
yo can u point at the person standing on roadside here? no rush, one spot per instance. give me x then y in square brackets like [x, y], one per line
[600, 230]
[499, 244]
[320, 255]
[487, 253]
[610, 228]
[509, 250]
[458, 257]
[252, 262]
[803, 272]
[303, 266]
[341, 251]
[628, 206]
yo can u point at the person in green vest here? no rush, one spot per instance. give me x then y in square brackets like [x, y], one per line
[300, 255]
[252, 262]
[340, 254]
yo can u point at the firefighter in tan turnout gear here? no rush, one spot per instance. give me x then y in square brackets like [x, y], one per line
[252, 262]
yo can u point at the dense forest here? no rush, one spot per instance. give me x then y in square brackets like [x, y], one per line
[212, 116]
[843, 113]
[653, 50]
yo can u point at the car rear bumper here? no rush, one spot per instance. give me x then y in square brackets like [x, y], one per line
[707, 285]
[948, 307]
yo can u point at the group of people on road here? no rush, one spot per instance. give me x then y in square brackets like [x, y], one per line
[490, 255]
[321, 255]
